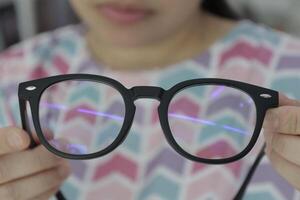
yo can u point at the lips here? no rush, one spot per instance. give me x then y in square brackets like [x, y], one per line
[123, 14]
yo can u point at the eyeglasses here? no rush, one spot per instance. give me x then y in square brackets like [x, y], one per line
[213, 121]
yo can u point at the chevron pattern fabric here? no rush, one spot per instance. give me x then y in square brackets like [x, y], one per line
[145, 167]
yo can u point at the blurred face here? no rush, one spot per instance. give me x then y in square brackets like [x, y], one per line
[136, 22]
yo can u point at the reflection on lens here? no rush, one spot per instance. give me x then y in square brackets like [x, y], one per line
[76, 149]
[215, 125]
[82, 114]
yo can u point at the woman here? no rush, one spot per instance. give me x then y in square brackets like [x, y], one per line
[149, 43]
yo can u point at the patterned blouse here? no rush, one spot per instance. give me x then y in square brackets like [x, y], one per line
[145, 167]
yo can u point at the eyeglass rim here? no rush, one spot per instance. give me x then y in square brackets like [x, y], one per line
[262, 105]
[34, 96]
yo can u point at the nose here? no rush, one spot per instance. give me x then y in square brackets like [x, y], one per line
[147, 92]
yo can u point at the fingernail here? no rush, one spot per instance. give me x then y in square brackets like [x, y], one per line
[15, 140]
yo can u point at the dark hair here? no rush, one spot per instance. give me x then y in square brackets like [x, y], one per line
[220, 8]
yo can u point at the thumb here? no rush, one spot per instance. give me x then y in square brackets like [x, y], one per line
[13, 139]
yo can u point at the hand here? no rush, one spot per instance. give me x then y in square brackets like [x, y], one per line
[28, 174]
[282, 135]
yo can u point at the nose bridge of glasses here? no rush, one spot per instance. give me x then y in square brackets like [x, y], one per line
[150, 92]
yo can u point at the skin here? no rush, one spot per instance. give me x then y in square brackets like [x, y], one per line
[28, 174]
[282, 135]
[172, 34]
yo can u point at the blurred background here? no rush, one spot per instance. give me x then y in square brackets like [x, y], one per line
[21, 19]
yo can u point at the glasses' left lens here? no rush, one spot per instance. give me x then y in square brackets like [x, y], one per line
[84, 117]
[212, 121]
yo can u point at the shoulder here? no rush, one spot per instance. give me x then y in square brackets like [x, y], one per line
[276, 56]
[284, 60]
[280, 50]
[263, 40]
[257, 51]
[22, 61]
[286, 65]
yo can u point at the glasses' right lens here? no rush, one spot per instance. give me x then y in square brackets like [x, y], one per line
[84, 116]
[212, 121]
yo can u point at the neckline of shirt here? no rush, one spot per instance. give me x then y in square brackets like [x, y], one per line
[102, 69]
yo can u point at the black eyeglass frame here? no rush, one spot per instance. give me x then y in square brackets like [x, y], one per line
[31, 91]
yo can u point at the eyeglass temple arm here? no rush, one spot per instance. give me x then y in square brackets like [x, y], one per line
[246, 182]
[25, 125]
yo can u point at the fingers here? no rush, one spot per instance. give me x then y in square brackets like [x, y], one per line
[286, 146]
[32, 186]
[22, 164]
[286, 169]
[282, 131]
[284, 119]
[12, 140]
[28, 173]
